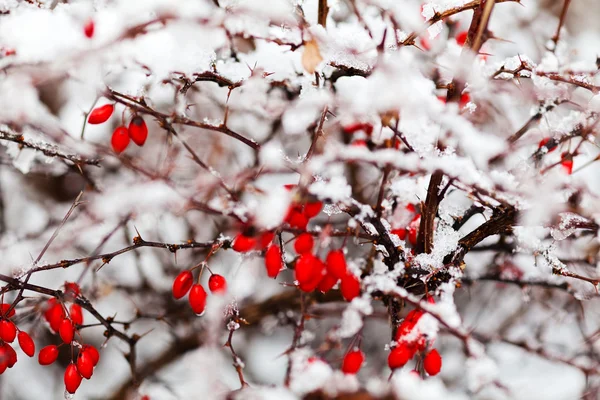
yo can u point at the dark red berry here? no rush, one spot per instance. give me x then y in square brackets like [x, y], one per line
[138, 131]
[27, 344]
[197, 299]
[217, 283]
[88, 29]
[11, 355]
[4, 309]
[120, 139]
[182, 284]
[327, 283]
[101, 114]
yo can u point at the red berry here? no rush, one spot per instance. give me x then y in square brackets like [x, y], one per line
[197, 299]
[26, 343]
[411, 207]
[182, 284]
[138, 131]
[353, 361]
[350, 287]
[464, 99]
[85, 364]
[66, 331]
[264, 240]
[319, 271]
[306, 268]
[312, 209]
[72, 289]
[336, 263]
[401, 232]
[54, 315]
[413, 229]
[327, 283]
[432, 362]
[273, 261]
[101, 114]
[48, 355]
[399, 356]
[461, 38]
[92, 352]
[76, 314]
[120, 139]
[88, 29]
[296, 219]
[243, 243]
[217, 283]
[4, 309]
[11, 355]
[304, 243]
[72, 378]
[8, 331]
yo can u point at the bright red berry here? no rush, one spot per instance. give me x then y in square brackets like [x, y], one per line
[296, 218]
[243, 243]
[120, 139]
[4, 309]
[312, 209]
[432, 362]
[88, 29]
[401, 232]
[26, 343]
[304, 243]
[327, 283]
[54, 314]
[8, 331]
[306, 268]
[92, 352]
[76, 314]
[273, 261]
[461, 38]
[350, 287]
[336, 263]
[399, 356]
[217, 283]
[48, 355]
[72, 378]
[101, 114]
[197, 299]
[352, 362]
[138, 131]
[66, 331]
[464, 99]
[182, 284]
[85, 364]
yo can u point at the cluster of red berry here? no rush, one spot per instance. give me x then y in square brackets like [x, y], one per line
[8, 333]
[66, 325]
[412, 228]
[184, 284]
[137, 130]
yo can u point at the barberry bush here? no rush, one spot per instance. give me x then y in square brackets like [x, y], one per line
[299, 199]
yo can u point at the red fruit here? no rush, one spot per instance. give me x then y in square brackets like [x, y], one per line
[319, 271]
[197, 299]
[327, 283]
[243, 243]
[336, 263]
[401, 232]
[92, 352]
[304, 243]
[217, 283]
[312, 209]
[296, 218]
[411, 207]
[66, 331]
[11, 355]
[464, 99]
[55, 316]
[461, 38]
[8, 331]
[26, 343]
[138, 131]
[306, 268]
[88, 29]
[85, 364]
[76, 314]
[264, 240]
[100, 114]
[182, 284]
[432, 362]
[273, 261]
[48, 355]
[350, 287]
[4, 309]
[120, 139]
[399, 356]
[72, 289]
[72, 378]
[353, 361]
[413, 229]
